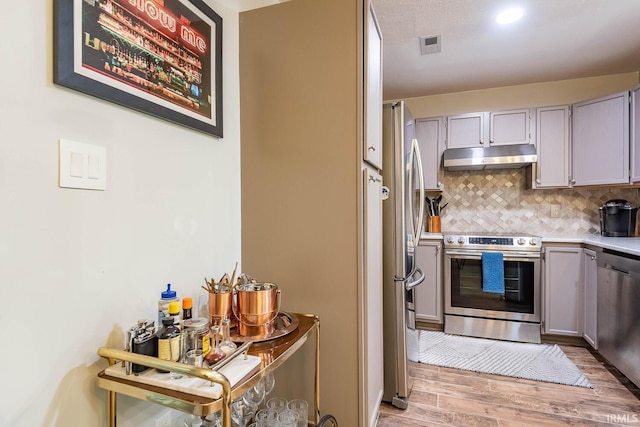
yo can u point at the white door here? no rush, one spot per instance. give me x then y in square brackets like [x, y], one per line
[373, 93]
[373, 345]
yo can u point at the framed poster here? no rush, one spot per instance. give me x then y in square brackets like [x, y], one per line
[161, 57]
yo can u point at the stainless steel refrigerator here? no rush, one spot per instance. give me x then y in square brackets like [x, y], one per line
[403, 216]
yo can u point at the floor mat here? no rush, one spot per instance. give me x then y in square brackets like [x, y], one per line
[540, 362]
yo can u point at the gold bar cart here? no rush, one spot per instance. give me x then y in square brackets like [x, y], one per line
[272, 354]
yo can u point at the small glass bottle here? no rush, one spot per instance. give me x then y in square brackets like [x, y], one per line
[187, 305]
[226, 344]
[168, 341]
[174, 312]
[216, 354]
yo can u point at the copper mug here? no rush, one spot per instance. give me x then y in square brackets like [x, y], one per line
[220, 307]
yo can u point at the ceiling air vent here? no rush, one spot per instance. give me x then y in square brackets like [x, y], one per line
[430, 44]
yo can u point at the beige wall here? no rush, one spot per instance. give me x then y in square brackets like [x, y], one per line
[300, 175]
[79, 267]
[522, 96]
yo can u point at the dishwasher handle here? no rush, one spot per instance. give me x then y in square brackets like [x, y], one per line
[626, 264]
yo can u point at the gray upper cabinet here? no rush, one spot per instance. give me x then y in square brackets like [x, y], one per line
[634, 128]
[510, 127]
[489, 128]
[430, 136]
[600, 152]
[467, 130]
[552, 147]
[373, 93]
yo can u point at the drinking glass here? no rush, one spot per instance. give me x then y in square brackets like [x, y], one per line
[213, 420]
[255, 395]
[266, 417]
[287, 418]
[269, 382]
[278, 404]
[241, 413]
[301, 408]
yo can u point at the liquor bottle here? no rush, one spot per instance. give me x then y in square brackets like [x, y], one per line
[168, 341]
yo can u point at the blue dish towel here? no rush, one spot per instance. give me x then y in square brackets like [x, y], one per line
[493, 272]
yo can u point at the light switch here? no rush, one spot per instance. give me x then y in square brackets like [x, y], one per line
[82, 165]
[94, 167]
[76, 168]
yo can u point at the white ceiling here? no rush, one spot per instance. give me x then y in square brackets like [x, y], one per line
[555, 40]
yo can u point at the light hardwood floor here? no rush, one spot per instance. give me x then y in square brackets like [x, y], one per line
[452, 397]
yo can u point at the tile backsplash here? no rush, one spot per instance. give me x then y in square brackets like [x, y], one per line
[497, 201]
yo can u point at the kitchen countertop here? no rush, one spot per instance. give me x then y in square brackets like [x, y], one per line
[630, 245]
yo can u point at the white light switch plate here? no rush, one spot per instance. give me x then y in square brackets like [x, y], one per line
[82, 165]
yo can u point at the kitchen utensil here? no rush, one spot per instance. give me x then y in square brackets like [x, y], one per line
[429, 205]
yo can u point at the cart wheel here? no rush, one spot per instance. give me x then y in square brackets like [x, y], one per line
[328, 421]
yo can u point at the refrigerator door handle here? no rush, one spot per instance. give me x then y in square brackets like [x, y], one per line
[415, 155]
[416, 282]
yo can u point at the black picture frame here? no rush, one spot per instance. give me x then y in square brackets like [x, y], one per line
[160, 57]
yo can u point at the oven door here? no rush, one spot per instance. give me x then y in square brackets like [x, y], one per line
[463, 286]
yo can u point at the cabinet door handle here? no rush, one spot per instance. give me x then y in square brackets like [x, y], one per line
[374, 178]
[372, 148]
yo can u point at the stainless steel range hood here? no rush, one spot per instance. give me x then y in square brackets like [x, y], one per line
[494, 157]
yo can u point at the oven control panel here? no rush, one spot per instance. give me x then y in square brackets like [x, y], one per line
[492, 242]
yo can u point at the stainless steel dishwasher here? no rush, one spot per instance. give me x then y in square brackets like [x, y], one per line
[619, 311]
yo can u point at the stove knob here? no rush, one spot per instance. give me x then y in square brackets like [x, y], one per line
[521, 241]
[450, 239]
[533, 242]
[461, 240]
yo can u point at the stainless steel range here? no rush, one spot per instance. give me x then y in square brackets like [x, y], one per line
[509, 312]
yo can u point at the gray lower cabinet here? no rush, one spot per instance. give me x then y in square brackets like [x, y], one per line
[589, 277]
[428, 295]
[563, 292]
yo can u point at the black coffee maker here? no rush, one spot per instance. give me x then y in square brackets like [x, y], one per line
[618, 219]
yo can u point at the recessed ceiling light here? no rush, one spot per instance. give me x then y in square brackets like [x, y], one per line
[510, 15]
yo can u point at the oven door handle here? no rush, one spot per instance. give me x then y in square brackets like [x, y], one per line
[508, 256]
[416, 282]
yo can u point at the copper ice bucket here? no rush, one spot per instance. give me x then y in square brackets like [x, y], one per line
[256, 306]
[220, 307]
